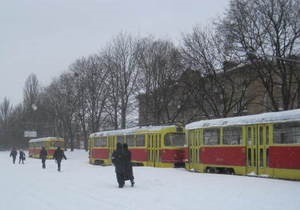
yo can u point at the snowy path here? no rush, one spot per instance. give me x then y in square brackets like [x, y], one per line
[81, 186]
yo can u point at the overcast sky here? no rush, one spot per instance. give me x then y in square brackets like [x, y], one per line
[45, 36]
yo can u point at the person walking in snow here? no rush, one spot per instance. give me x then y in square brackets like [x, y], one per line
[58, 156]
[13, 154]
[128, 173]
[21, 156]
[117, 159]
[43, 156]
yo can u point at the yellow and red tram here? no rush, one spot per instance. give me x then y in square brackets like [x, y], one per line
[157, 146]
[50, 144]
[265, 144]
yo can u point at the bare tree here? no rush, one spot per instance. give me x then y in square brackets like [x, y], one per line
[32, 115]
[220, 89]
[5, 112]
[267, 32]
[92, 92]
[114, 96]
[160, 65]
[62, 97]
[31, 91]
[121, 62]
[5, 118]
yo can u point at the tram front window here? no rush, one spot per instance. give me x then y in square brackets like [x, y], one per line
[175, 139]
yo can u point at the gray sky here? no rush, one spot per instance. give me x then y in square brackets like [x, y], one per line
[45, 36]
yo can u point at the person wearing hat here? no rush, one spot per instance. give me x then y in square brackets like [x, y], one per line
[117, 159]
[43, 156]
[13, 154]
[21, 156]
[58, 156]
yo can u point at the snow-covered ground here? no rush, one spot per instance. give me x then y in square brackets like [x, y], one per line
[81, 186]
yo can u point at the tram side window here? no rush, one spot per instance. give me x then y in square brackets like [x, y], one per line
[232, 135]
[190, 138]
[38, 144]
[120, 139]
[287, 133]
[58, 144]
[212, 136]
[140, 140]
[100, 142]
[175, 139]
[130, 140]
[193, 138]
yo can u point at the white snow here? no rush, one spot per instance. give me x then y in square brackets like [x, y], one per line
[42, 139]
[81, 186]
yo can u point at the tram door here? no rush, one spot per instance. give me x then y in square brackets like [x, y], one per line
[257, 149]
[251, 149]
[90, 146]
[194, 144]
[153, 147]
[111, 145]
[263, 143]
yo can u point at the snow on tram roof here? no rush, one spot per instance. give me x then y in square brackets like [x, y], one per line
[44, 139]
[132, 130]
[269, 117]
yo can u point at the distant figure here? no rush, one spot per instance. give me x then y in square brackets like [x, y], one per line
[58, 156]
[117, 159]
[21, 156]
[128, 173]
[43, 156]
[13, 154]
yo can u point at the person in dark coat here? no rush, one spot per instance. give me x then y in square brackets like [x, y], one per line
[128, 175]
[58, 156]
[43, 156]
[117, 159]
[13, 154]
[21, 156]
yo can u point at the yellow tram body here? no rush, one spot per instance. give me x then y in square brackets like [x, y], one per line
[265, 144]
[50, 144]
[157, 146]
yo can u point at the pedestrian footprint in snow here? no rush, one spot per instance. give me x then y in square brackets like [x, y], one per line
[58, 156]
[13, 154]
[21, 156]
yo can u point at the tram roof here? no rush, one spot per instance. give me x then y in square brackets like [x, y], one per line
[264, 118]
[44, 139]
[133, 130]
